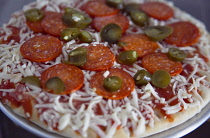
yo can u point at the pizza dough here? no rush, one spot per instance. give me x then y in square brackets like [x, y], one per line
[82, 111]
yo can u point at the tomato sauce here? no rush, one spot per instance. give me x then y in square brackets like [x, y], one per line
[5, 96]
[168, 94]
[159, 106]
[17, 98]
[14, 35]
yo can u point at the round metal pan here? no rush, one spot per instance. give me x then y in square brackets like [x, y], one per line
[197, 8]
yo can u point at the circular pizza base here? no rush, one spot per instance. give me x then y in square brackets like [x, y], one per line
[161, 125]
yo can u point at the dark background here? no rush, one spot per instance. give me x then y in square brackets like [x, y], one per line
[198, 8]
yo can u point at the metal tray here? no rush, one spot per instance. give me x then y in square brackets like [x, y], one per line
[197, 8]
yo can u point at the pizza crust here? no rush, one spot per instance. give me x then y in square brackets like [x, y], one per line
[159, 126]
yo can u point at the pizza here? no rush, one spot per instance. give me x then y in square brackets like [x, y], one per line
[96, 68]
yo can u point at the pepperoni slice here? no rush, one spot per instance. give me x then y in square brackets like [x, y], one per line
[35, 26]
[140, 43]
[160, 61]
[158, 10]
[98, 8]
[99, 57]
[72, 76]
[119, 19]
[41, 48]
[184, 34]
[52, 23]
[126, 88]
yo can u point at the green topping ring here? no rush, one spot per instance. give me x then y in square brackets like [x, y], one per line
[85, 37]
[69, 34]
[142, 77]
[176, 54]
[75, 19]
[121, 44]
[139, 17]
[32, 80]
[111, 33]
[78, 56]
[34, 15]
[55, 85]
[112, 83]
[115, 3]
[128, 57]
[161, 78]
[158, 33]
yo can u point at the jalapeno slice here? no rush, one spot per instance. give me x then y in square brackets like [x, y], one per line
[176, 54]
[115, 3]
[121, 44]
[158, 33]
[112, 83]
[75, 19]
[161, 78]
[55, 85]
[131, 7]
[111, 33]
[34, 15]
[85, 37]
[78, 56]
[142, 77]
[69, 10]
[69, 34]
[128, 57]
[139, 17]
[32, 80]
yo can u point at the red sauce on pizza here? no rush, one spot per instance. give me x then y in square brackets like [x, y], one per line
[166, 92]
[7, 97]
[14, 35]
[17, 97]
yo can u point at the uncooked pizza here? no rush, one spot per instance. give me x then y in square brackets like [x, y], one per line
[104, 68]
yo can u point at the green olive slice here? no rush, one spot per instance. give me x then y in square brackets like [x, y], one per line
[176, 54]
[139, 17]
[55, 85]
[161, 78]
[34, 15]
[112, 83]
[158, 33]
[85, 37]
[142, 77]
[78, 56]
[131, 7]
[69, 34]
[69, 10]
[115, 3]
[121, 44]
[32, 80]
[128, 57]
[76, 19]
[111, 33]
